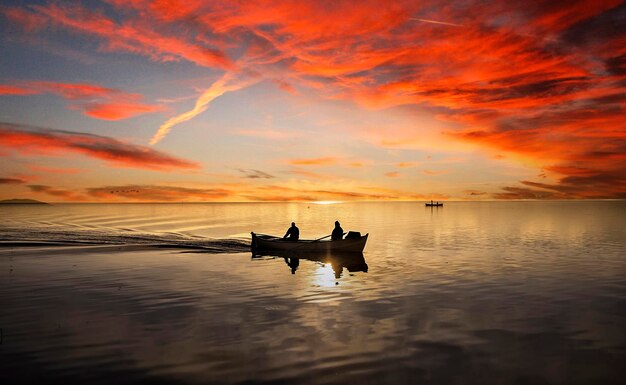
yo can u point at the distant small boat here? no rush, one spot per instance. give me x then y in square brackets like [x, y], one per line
[352, 243]
[434, 204]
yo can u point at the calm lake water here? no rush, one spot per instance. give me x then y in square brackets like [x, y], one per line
[471, 293]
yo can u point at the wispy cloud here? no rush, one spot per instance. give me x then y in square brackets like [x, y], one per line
[535, 80]
[156, 193]
[94, 100]
[32, 140]
[7, 89]
[12, 181]
[136, 35]
[435, 172]
[269, 134]
[227, 83]
[324, 161]
[57, 192]
[255, 174]
[309, 174]
[54, 170]
[475, 193]
[436, 22]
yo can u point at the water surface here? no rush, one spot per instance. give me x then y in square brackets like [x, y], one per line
[480, 292]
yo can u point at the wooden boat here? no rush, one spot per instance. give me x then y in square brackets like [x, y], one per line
[434, 204]
[350, 244]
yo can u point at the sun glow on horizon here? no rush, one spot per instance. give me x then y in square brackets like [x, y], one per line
[515, 101]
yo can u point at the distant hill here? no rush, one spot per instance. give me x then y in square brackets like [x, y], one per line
[22, 202]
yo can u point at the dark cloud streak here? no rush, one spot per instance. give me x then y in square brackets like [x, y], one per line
[28, 140]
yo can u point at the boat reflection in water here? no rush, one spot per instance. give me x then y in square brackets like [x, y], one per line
[343, 253]
[352, 262]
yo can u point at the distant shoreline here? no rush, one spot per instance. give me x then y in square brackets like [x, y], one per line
[22, 202]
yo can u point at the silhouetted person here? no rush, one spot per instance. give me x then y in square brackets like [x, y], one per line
[293, 233]
[337, 233]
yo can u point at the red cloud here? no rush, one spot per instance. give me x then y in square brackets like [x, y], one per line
[117, 111]
[539, 79]
[28, 140]
[94, 100]
[6, 89]
[136, 35]
[77, 91]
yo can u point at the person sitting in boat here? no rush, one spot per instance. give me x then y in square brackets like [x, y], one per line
[293, 233]
[337, 232]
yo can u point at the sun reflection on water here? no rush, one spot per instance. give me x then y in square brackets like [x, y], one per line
[324, 275]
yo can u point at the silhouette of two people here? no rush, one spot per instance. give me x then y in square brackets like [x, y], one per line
[293, 233]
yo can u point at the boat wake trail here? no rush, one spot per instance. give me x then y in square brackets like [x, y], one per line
[21, 237]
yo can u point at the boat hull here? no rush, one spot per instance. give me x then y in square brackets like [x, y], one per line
[262, 243]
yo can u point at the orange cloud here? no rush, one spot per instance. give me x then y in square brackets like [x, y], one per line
[363, 193]
[226, 192]
[135, 36]
[94, 100]
[475, 193]
[118, 111]
[153, 193]
[28, 140]
[6, 89]
[392, 174]
[434, 172]
[57, 193]
[54, 170]
[538, 80]
[519, 193]
[12, 181]
[325, 161]
[309, 174]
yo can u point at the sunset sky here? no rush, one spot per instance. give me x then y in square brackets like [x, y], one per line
[133, 100]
